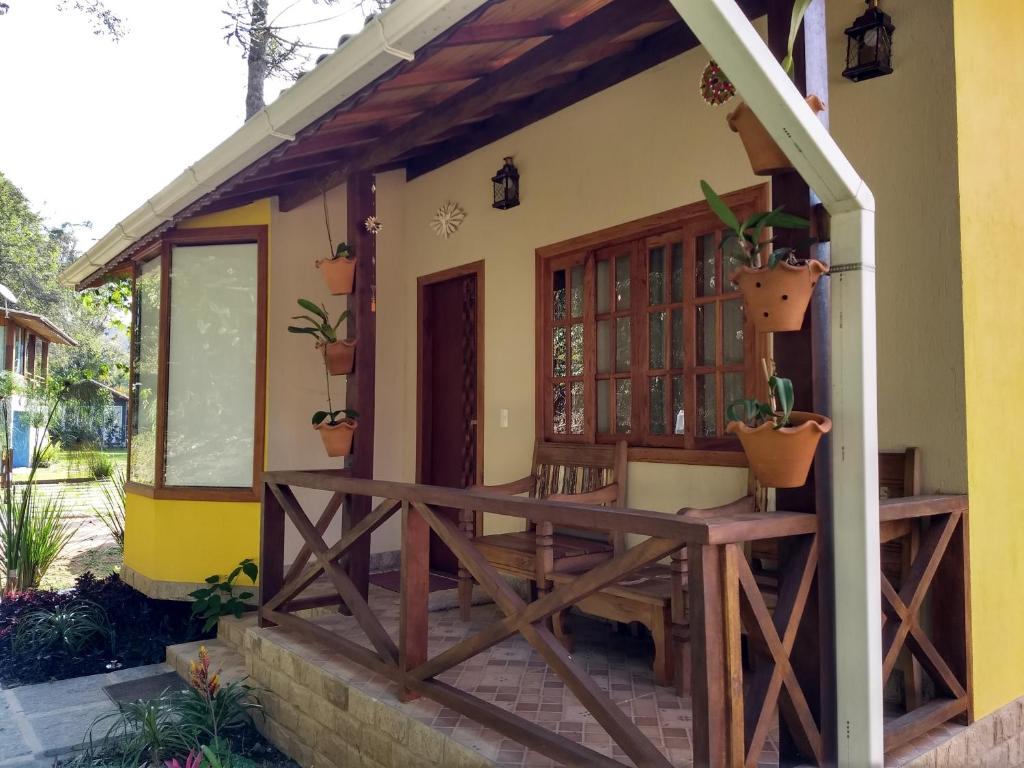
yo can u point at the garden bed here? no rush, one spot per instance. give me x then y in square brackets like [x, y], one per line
[140, 629]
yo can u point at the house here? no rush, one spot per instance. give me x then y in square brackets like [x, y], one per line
[26, 338]
[113, 423]
[473, 346]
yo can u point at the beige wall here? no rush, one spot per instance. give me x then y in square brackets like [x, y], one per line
[900, 134]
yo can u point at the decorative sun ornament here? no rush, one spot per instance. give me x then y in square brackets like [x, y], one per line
[448, 219]
[373, 225]
[715, 87]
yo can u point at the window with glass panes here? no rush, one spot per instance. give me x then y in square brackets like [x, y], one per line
[643, 336]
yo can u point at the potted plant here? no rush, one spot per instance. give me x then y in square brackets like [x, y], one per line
[765, 156]
[339, 354]
[336, 433]
[779, 442]
[339, 270]
[776, 286]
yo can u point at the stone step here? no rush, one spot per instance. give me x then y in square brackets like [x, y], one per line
[223, 658]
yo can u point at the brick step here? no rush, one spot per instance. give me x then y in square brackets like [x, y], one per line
[223, 657]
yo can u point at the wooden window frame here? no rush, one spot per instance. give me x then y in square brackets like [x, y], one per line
[206, 236]
[603, 244]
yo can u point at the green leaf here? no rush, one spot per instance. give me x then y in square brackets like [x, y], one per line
[720, 209]
[238, 610]
[741, 410]
[310, 331]
[234, 574]
[245, 595]
[199, 594]
[210, 623]
[212, 579]
[319, 416]
[250, 569]
[783, 389]
[783, 220]
[309, 306]
[799, 9]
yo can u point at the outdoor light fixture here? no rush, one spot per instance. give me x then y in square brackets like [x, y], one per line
[869, 45]
[506, 186]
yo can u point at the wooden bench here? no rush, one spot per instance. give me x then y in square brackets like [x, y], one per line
[560, 472]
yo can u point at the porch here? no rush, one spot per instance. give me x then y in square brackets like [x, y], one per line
[499, 689]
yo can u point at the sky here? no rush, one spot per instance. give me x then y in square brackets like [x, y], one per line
[90, 128]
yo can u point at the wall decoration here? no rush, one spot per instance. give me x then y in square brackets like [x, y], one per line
[715, 87]
[448, 219]
[373, 225]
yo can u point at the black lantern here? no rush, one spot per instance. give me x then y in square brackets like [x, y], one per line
[506, 186]
[869, 45]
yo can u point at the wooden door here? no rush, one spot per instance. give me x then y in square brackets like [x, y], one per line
[449, 355]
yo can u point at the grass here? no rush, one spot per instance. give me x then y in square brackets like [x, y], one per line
[70, 467]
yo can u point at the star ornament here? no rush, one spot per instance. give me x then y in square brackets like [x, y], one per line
[373, 225]
[448, 219]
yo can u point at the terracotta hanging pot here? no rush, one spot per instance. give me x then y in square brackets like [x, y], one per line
[337, 438]
[781, 458]
[341, 357]
[339, 274]
[765, 156]
[776, 298]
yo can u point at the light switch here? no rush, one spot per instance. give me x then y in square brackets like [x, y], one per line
[503, 418]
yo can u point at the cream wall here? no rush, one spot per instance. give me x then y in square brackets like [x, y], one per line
[899, 132]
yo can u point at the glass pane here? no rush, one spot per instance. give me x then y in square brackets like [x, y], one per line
[705, 334]
[604, 346]
[678, 413]
[707, 411]
[623, 405]
[214, 291]
[577, 291]
[623, 344]
[558, 398]
[706, 265]
[656, 275]
[732, 331]
[558, 294]
[604, 406]
[577, 407]
[733, 388]
[730, 258]
[657, 395]
[677, 273]
[604, 289]
[677, 344]
[656, 328]
[576, 338]
[144, 408]
[622, 282]
[558, 351]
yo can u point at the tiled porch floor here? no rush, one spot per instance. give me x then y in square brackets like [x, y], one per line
[514, 677]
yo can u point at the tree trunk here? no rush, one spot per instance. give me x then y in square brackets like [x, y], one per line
[257, 59]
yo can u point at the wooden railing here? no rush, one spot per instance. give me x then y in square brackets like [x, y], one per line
[734, 708]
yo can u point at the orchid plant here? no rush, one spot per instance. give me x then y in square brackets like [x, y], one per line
[754, 413]
[320, 326]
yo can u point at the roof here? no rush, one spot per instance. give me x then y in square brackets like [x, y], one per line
[40, 326]
[479, 70]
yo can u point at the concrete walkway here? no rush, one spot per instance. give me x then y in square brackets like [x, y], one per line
[41, 722]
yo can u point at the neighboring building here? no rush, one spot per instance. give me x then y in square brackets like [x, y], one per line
[25, 339]
[598, 104]
[114, 423]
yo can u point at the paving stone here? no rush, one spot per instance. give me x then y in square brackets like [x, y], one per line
[12, 739]
[61, 731]
[50, 697]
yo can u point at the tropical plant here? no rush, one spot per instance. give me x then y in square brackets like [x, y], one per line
[194, 760]
[343, 251]
[219, 598]
[747, 235]
[100, 465]
[139, 733]
[320, 328]
[212, 708]
[112, 513]
[65, 629]
[753, 413]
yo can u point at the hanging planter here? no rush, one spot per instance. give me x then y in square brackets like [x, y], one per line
[766, 159]
[779, 442]
[339, 272]
[336, 435]
[776, 286]
[776, 298]
[340, 356]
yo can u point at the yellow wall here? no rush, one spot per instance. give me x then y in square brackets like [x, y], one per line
[186, 541]
[989, 36]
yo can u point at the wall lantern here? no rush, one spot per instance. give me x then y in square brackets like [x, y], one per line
[869, 45]
[506, 186]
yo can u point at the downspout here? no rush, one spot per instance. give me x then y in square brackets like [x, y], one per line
[729, 37]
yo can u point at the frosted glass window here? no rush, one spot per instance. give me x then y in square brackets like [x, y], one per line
[146, 352]
[211, 385]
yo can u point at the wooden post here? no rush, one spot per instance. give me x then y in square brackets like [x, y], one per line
[30, 356]
[804, 356]
[46, 360]
[412, 631]
[271, 550]
[360, 386]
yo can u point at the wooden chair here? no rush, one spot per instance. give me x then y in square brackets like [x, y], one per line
[560, 472]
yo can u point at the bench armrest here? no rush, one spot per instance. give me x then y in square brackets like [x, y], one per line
[603, 495]
[516, 487]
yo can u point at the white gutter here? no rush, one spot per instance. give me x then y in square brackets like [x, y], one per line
[393, 37]
[731, 40]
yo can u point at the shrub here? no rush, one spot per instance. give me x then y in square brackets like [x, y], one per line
[211, 708]
[99, 464]
[219, 598]
[139, 733]
[111, 513]
[64, 629]
[33, 533]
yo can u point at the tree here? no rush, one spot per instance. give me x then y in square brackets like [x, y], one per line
[102, 19]
[273, 48]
